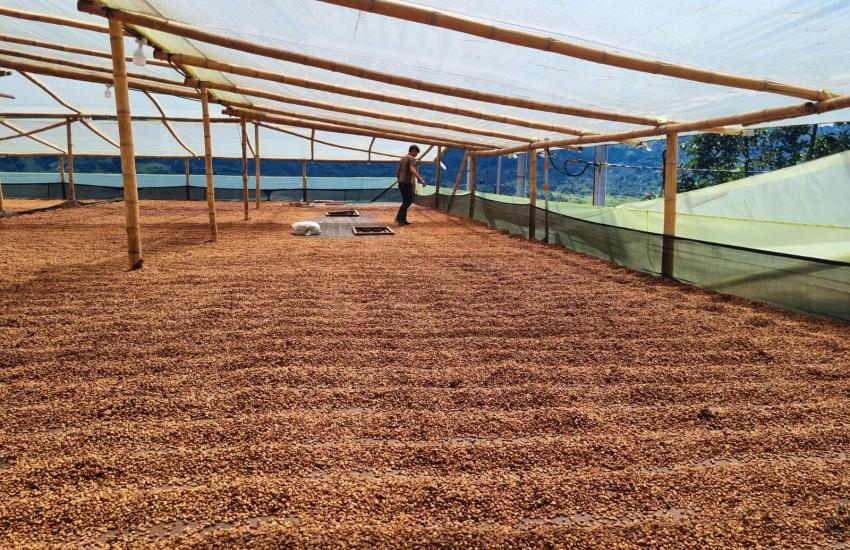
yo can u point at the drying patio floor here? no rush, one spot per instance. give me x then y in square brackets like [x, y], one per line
[448, 385]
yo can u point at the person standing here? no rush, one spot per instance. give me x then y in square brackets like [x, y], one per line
[407, 174]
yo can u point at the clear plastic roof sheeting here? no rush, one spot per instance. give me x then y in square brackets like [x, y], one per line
[801, 42]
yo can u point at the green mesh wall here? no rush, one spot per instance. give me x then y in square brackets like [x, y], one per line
[807, 285]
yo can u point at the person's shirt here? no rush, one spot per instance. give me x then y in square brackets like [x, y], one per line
[405, 168]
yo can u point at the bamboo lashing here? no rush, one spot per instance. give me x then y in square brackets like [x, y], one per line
[671, 167]
[348, 129]
[70, 107]
[458, 180]
[532, 195]
[25, 41]
[744, 119]
[208, 164]
[72, 194]
[125, 133]
[370, 127]
[35, 138]
[197, 61]
[188, 31]
[244, 132]
[167, 124]
[257, 163]
[466, 25]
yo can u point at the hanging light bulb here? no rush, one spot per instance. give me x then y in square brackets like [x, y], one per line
[512, 156]
[107, 93]
[139, 55]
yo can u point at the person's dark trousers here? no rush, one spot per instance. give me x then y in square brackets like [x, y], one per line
[406, 200]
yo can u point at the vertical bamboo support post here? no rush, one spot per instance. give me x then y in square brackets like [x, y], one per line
[188, 179]
[2, 207]
[257, 164]
[72, 194]
[671, 167]
[437, 175]
[499, 175]
[304, 180]
[532, 194]
[205, 106]
[125, 135]
[546, 195]
[244, 127]
[473, 184]
[457, 179]
[61, 165]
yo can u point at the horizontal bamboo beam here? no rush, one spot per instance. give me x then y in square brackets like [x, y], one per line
[350, 124]
[69, 49]
[328, 143]
[137, 118]
[301, 123]
[256, 92]
[77, 64]
[54, 19]
[187, 31]
[6, 96]
[197, 61]
[744, 119]
[526, 39]
[178, 89]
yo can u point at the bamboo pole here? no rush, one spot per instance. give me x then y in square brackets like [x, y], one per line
[473, 184]
[545, 195]
[188, 180]
[177, 89]
[198, 61]
[257, 163]
[744, 119]
[72, 194]
[61, 166]
[125, 133]
[188, 31]
[102, 116]
[78, 65]
[208, 163]
[458, 180]
[437, 175]
[313, 144]
[2, 206]
[532, 195]
[351, 128]
[518, 37]
[54, 19]
[25, 41]
[304, 180]
[671, 167]
[244, 129]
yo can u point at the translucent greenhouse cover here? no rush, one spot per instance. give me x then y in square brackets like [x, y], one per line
[801, 42]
